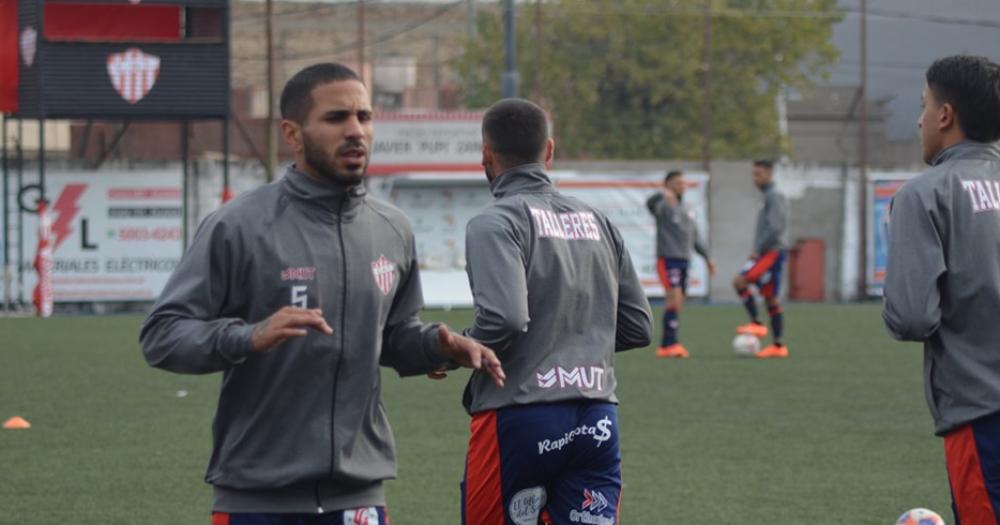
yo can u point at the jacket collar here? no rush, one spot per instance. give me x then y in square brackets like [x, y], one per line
[526, 178]
[968, 150]
[332, 196]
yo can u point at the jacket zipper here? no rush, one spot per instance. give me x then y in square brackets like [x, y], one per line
[343, 330]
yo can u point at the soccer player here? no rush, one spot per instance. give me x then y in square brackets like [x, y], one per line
[763, 270]
[556, 296]
[943, 276]
[297, 291]
[676, 236]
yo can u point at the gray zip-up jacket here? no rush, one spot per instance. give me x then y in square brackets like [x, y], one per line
[943, 280]
[676, 229]
[555, 295]
[302, 426]
[772, 222]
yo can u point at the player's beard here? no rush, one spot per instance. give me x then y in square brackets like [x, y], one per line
[325, 165]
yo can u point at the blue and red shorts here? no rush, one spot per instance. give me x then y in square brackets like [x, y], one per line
[548, 463]
[673, 273]
[764, 272]
[972, 453]
[361, 516]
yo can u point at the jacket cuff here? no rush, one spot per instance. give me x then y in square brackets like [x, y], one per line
[432, 352]
[236, 343]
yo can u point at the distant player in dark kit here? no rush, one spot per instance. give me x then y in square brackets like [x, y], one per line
[676, 237]
[943, 276]
[555, 296]
[297, 291]
[764, 268]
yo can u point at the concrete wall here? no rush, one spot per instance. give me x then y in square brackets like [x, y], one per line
[816, 211]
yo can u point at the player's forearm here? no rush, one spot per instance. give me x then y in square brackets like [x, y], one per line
[192, 346]
[410, 348]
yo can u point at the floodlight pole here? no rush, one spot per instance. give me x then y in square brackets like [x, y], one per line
[510, 79]
[272, 125]
[6, 219]
[706, 110]
[361, 39]
[863, 158]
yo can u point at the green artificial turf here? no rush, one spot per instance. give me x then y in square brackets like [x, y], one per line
[836, 434]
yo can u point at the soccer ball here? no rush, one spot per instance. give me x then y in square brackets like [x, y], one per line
[746, 344]
[920, 517]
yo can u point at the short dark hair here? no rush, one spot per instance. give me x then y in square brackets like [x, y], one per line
[516, 130]
[296, 97]
[672, 174]
[764, 163]
[972, 86]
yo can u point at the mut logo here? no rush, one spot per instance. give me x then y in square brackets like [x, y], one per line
[133, 73]
[579, 376]
[384, 272]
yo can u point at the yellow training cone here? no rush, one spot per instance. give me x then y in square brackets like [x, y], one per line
[16, 423]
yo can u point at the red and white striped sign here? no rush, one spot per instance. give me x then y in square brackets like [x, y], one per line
[44, 262]
[385, 274]
[133, 73]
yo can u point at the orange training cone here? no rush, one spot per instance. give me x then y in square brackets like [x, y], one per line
[16, 423]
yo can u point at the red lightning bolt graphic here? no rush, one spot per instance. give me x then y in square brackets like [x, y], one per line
[66, 209]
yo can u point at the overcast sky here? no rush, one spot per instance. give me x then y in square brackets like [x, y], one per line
[900, 49]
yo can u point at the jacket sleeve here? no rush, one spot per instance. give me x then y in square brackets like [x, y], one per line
[654, 202]
[186, 332]
[634, 327]
[775, 219]
[911, 306]
[496, 269]
[699, 246]
[410, 346]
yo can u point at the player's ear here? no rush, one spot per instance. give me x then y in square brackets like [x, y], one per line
[946, 116]
[292, 133]
[487, 155]
[550, 149]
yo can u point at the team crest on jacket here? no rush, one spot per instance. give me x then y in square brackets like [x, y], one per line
[133, 73]
[385, 274]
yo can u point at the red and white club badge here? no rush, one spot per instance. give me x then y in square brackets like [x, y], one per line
[29, 44]
[385, 274]
[133, 73]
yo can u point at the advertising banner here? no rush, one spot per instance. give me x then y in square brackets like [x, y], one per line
[114, 236]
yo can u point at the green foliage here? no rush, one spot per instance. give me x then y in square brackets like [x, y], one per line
[625, 78]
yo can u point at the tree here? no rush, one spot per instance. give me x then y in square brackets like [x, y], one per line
[625, 78]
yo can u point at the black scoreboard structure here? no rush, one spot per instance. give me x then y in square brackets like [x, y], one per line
[124, 60]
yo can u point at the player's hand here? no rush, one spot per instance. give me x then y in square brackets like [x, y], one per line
[711, 268]
[285, 324]
[754, 256]
[470, 354]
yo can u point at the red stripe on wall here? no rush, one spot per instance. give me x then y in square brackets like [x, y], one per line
[112, 22]
[8, 56]
[483, 498]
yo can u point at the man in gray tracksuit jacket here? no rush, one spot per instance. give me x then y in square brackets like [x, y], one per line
[942, 286]
[297, 292]
[555, 296]
[676, 237]
[764, 268]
